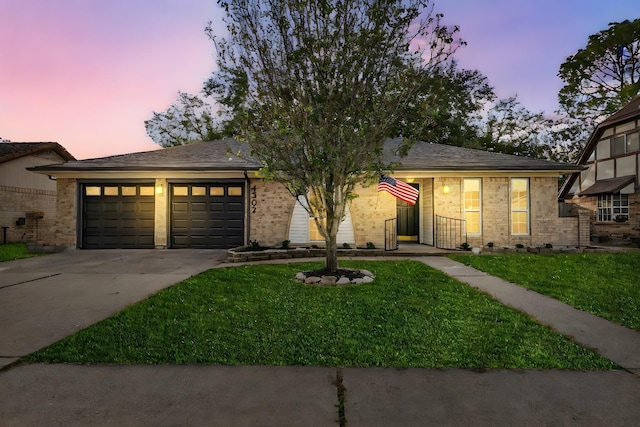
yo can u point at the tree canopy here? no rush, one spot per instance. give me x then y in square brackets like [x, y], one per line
[315, 88]
[600, 78]
[189, 119]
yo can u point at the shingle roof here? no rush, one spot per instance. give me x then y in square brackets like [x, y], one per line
[15, 150]
[221, 155]
[440, 157]
[608, 186]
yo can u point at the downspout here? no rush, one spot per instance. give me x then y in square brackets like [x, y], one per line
[247, 200]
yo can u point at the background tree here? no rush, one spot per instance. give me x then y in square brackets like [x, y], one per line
[188, 120]
[454, 99]
[599, 79]
[315, 88]
[510, 128]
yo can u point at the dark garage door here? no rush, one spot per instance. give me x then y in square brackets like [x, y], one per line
[207, 215]
[118, 216]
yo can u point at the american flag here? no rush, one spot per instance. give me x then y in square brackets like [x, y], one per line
[399, 189]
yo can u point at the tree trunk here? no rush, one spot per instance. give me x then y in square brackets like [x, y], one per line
[332, 251]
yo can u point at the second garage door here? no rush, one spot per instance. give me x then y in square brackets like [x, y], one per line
[209, 215]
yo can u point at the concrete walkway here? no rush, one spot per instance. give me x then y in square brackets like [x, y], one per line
[44, 299]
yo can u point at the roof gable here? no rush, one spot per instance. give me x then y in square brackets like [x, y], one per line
[15, 150]
[626, 113]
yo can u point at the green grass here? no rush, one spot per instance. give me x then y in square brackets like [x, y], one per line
[607, 285]
[13, 251]
[411, 316]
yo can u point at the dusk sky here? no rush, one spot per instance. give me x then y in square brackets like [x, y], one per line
[88, 73]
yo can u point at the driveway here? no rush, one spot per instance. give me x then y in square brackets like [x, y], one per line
[46, 298]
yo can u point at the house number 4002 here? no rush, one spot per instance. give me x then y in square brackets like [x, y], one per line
[254, 199]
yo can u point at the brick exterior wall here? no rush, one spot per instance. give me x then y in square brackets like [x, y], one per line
[67, 212]
[270, 207]
[369, 211]
[30, 204]
[610, 230]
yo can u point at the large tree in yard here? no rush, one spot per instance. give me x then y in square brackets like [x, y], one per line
[315, 87]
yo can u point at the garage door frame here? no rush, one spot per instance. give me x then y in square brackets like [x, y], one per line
[238, 239]
[83, 235]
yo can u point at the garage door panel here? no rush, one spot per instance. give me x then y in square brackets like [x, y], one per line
[180, 207]
[122, 219]
[235, 207]
[204, 221]
[147, 206]
[198, 207]
[216, 207]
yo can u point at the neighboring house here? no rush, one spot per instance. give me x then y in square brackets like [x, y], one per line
[609, 187]
[201, 196]
[27, 199]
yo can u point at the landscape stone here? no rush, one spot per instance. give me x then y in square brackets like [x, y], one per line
[312, 280]
[328, 280]
[343, 281]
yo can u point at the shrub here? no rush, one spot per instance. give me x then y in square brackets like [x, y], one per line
[370, 245]
[285, 243]
[345, 245]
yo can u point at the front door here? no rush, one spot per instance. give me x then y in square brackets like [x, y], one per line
[408, 219]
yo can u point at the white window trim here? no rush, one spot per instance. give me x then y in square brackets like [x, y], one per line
[527, 210]
[609, 209]
[479, 210]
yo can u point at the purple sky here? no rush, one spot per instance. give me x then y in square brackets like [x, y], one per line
[87, 73]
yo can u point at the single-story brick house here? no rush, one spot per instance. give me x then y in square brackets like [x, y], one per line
[609, 186]
[201, 196]
[27, 199]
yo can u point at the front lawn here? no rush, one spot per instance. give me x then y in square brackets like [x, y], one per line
[607, 285]
[411, 316]
[13, 251]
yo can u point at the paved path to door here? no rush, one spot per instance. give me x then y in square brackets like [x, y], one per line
[47, 298]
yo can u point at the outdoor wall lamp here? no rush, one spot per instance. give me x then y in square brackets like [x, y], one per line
[445, 189]
[159, 189]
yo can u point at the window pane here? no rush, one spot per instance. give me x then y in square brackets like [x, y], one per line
[519, 194]
[198, 191]
[216, 191]
[234, 191]
[180, 191]
[146, 190]
[519, 224]
[617, 145]
[473, 222]
[92, 191]
[633, 142]
[111, 191]
[314, 233]
[129, 191]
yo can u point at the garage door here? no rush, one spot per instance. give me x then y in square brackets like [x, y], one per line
[118, 216]
[207, 215]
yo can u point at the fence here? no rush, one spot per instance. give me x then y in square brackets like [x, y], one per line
[451, 233]
[391, 234]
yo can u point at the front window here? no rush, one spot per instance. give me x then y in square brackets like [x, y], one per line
[472, 203]
[519, 206]
[612, 207]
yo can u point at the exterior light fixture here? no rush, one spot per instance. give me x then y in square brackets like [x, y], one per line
[410, 180]
[445, 189]
[159, 189]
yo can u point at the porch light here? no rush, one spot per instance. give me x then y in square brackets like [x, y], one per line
[445, 189]
[159, 189]
[410, 180]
